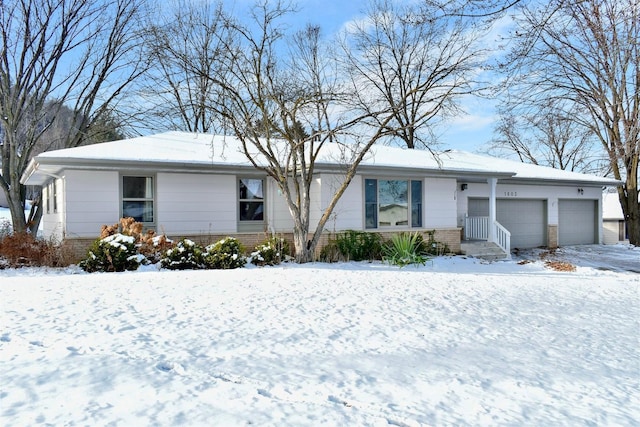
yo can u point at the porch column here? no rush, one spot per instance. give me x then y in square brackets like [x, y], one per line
[492, 208]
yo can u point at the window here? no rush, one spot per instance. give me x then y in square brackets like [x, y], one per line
[54, 196]
[50, 196]
[137, 198]
[251, 199]
[416, 203]
[45, 198]
[393, 203]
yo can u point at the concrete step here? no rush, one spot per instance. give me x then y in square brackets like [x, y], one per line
[484, 250]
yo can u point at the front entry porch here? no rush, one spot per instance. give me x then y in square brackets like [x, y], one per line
[484, 236]
[479, 241]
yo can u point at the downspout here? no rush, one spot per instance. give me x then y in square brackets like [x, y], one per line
[492, 209]
[270, 205]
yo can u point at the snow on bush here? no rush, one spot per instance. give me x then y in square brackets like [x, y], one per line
[227, 253]
[116, 252]
[185, 255]
[271, 252]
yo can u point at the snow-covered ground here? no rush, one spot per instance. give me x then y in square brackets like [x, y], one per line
[456, 342]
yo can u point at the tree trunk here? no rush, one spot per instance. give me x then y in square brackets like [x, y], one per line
[15, 199]
[631, 209]
[304, 249]
[35, 215]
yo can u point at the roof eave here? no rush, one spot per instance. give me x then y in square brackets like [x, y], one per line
[413, 171]
[39, 172]
[564, 182]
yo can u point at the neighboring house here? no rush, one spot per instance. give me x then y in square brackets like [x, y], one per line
[201, 186]
[613, 222]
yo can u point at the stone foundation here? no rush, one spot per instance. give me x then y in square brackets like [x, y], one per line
[552, 236]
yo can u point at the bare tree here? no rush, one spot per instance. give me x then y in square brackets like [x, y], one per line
[185, 41]
[80, 54]
[585, 54]
[414, 61]
[472, 8]
[60, 121]
[547, 137]
[285, 101]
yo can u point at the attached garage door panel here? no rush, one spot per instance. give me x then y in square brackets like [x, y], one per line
[526, 220]
[577, 222]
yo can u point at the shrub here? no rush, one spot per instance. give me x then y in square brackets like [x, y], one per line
[433, 247]
[271, 252]
[185, 255]
[404, 249]
[227, 253]
[153, 246]
[359, 245]
[330, 252]
[25, 250]
[116, 252]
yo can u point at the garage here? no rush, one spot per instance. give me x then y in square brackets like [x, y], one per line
[577, 221]
[526, 220]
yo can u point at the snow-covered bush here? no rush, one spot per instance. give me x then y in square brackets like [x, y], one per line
[227, 253]
[116, 252]
[185, 255]
[153, 246]
[271, 252]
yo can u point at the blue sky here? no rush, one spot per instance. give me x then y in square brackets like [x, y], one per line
[470, 132]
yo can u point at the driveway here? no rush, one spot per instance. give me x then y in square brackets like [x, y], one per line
[619, 257]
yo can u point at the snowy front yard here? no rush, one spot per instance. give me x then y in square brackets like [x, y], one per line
[456, 342]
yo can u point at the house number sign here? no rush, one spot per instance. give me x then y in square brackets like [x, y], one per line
[511, 194]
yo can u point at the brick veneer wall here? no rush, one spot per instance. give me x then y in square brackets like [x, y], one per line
[451, 237]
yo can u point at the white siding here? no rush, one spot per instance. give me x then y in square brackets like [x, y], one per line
[612, 230]
[348, 213]
[52, 223]
[439, 203]
[90, 199]
[196, 203]
[278, 216]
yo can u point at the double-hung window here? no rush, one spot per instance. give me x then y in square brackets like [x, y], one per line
[138, 198]
[50, 197]
[393, 203]
[251, 202]
[45, 197]
[54, 195]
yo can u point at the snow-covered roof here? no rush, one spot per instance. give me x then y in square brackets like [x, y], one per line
[206, 152]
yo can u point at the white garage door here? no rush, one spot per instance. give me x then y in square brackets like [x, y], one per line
[526, 220]
[577, 221]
